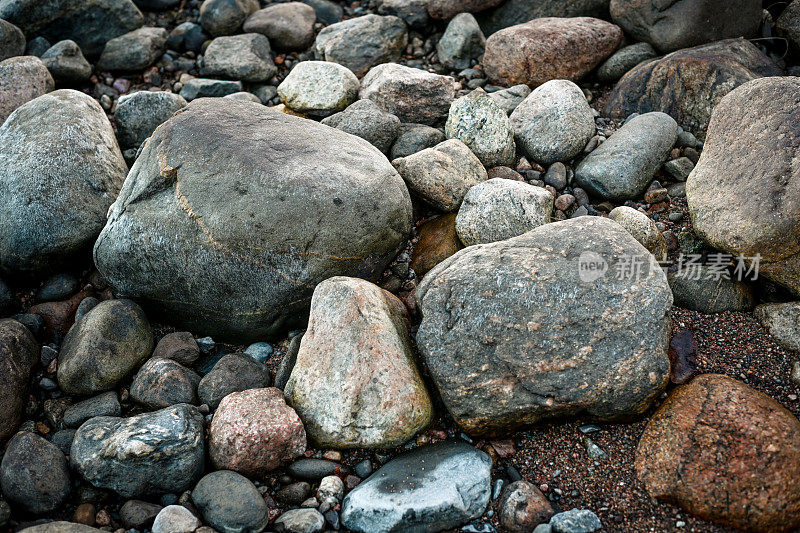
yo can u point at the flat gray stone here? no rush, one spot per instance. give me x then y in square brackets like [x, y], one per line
[319, 88]
[243, 57]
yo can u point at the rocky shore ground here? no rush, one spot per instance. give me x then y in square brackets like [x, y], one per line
[399, 265]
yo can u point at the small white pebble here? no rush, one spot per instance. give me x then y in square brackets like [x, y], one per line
[680, 523]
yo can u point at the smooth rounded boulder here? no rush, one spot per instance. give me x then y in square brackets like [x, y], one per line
[506, 348]
[726, 453]
[22, 79]
[104, 347]
[740, 200]
[19, 352]
[34, 474]
[672, 25]
[549, 49]
[66, 142]
[355, 383]
[284, 204]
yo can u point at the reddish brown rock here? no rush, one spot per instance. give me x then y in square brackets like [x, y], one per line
[689, 83]
[445, 9]
[59, 316]
[18, 354]
[179, 346]
[523, 507]
[725, 453]
[438, 240]
[22, 79]
[549, 49]
[254, 432]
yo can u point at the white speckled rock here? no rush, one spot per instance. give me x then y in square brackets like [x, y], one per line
[477, 121]
[243, 57]
[499, 209]
[553, 123]
[360, 43]
[175, 519]
[319, 88]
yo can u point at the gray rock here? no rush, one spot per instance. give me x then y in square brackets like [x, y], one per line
[499, 209]
[788, 25]
[136, 514]
[366, 120]
[61, 527]
[412, 94]
[65, 139]
[705, 289]
[300, 521]
[287, 363]
[187, 36]
[623, 166]
[413, 12]
[361, 43]
[7, 299]
[355, 354]
[432, 488]
[413, 138]
[135, 50]
[230, 503]
[90, 23]
[19, 352]
[179, 346]
[37, 46]
[244, 96]
[442, 175]
[175, 519]
[679, 169]
[509, 99]
[741, 201]
[66, 63]
[106, 404]
[318, 88]
[57, 287]
[504, 350]
[289, 25]
[241, 283]
[34, 474]
[151, 453]
[107, 345]
[225, 17]
[689, 83]
[156, 5]
[575, 521]
[624, 60]
[12, 40]
[164, 382]
[21, 80]
[63, 440]
[783, 322]
[314, 469]
[673, 25]
[642, 228]
[139, 114]
[240, 57]
[205, 87]
[513, 12]
[556, 176]
[553, 123]
[477, 121]
[446, 9]
[461, 42]
[233, 373]
[327, 12]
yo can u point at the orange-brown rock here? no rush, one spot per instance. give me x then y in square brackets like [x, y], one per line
[726, 453]
[438, 240]
[549, 49]
[59, 316]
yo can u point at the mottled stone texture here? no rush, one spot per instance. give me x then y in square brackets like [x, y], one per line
[503, 357]
[233, 245]
[744, 193]
[689, 83]
[726, 453]
[18, 353]
[355, 383]
[549, 49]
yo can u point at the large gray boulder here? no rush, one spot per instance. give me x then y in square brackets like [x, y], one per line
[90, 23]
[689, 83]
[623, 166]
[65, 140]
[147, 454]
[284, 204]
[744, 192]
[552, 323]
[673, 24]
[432, 488]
